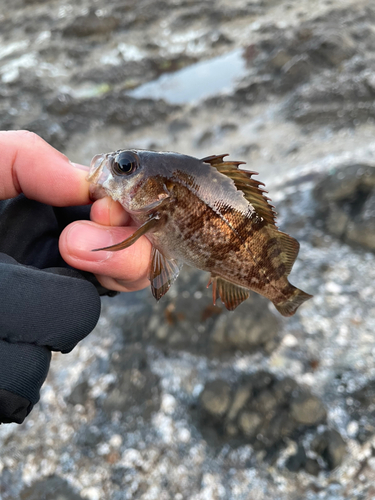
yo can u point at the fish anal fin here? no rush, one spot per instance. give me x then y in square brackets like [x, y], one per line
[243, 181]
[231, 295]
[162, 273]
[290, 306]
[145, 228]
[282, 249]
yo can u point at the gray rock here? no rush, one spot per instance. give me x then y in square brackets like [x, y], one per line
[136, 386]
[46, 489]
[89, 436]
[346, 204]
[186, 319]
[91, 24]
[240, 398]
[298, 460]
[249, 423]
[307, 409]
[312, 466]
[215, 398]
[79, 394]
[360, 407]
[331, 446]
[258, 409]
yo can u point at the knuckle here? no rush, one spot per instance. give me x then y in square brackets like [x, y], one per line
[30, 137]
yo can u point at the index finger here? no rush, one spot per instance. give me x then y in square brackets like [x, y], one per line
[31, 166]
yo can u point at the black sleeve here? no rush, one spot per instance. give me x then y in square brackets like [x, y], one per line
[44, 304]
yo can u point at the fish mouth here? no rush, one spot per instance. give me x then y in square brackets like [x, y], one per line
[97, 175]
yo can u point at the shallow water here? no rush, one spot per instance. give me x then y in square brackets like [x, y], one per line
[196, 82]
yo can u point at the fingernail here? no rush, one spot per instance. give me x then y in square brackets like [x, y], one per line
[84, 237]
[79, 166]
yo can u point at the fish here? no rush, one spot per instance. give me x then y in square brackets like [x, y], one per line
[207, 213]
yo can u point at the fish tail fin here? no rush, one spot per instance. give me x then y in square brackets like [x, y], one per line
[289, 306]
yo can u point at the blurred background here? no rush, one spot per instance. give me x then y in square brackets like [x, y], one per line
[182, 399]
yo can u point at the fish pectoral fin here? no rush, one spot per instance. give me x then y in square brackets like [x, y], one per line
[145, 228]
[162, 273]
[231, 295]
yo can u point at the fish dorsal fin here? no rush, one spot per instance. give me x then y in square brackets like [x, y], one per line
[243, 181]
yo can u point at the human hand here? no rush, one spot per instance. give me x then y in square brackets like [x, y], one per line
[49, 306]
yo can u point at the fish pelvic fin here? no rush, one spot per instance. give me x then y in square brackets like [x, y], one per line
[163, 273]
[145, 228]
[231, 295]
[289, 306]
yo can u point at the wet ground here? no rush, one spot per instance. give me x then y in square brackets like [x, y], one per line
[183, 400]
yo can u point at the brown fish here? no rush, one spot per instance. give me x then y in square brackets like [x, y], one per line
[207, 213]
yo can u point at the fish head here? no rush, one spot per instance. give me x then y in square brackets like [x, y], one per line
[130, 177]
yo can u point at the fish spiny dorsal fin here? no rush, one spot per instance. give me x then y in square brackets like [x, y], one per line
[213, 159]
[243, 182]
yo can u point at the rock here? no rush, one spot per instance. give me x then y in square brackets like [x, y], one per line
[51, 487]
[186, 319]
[91, 24]
[360, 406]
[312, 467]
[79, 394]
[50, 130]
[249, 423]
[342, 100]
[279, 427]
[136, 386]
[331, 447]
[298, 460]
[346, 204]
[257, 409]
[241, 396]
[215, 398]
[307, 409]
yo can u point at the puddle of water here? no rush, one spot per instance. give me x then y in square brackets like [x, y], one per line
[196, 82]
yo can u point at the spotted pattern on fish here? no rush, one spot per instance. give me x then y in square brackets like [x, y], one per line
[207, 213]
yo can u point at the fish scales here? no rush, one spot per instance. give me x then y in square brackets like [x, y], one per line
[206, 213]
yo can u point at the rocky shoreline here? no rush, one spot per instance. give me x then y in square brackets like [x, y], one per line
[182, 399]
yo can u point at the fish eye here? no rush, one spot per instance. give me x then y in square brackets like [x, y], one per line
[125, 163]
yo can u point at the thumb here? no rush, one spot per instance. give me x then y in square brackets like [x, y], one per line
[129, 266]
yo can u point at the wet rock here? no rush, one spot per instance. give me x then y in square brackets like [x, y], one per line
[261, 410]
[206, 137]
[215, 398]
[136, 386]
[240, 398]
[312, 466]
[298, 460]
[91, 24]
[346, 204]
[294, 57]
[307, 409]
[178, 125]
[52, 487]
[50, 130]
[360, 406]
[79, 394]
[186, 319]
[249, 423]
[343, 100]
[331, 447]
[89, 436]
